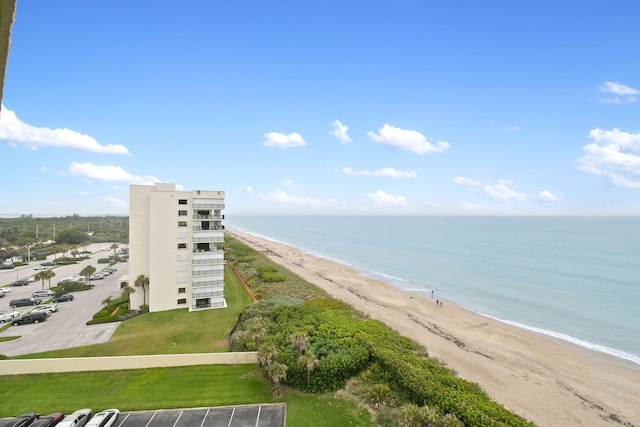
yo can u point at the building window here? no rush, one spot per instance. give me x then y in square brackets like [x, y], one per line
[182, 223]
[182, 201]
[182, 290]
[182, 213]
[182, 301]
[182, 246]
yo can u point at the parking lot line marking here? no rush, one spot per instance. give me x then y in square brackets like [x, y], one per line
[258, 417]
[204, 418]
[230, 419]
[125, 419]
[179, 415]
[151, 419]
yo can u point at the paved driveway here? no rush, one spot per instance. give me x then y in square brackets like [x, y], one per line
[67, 327]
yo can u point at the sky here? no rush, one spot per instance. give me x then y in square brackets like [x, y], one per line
[368, 107]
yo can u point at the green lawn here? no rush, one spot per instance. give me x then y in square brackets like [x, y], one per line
[169, 332]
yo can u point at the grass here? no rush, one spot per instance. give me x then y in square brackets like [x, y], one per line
[9, 338]
[132, 390]
[175, 331]
[169, 332]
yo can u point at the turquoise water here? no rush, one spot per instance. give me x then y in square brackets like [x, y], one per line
[575, 278]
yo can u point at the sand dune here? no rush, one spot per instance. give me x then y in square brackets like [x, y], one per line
[548, 381]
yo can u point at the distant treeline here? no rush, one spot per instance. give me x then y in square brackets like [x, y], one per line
[35, 234]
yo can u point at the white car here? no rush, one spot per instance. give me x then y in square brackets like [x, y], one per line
[47, 308]
[40, 267]
[78, 419]
[103, 418]
[8, 316]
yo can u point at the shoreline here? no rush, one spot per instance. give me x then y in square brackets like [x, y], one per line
[542, 378]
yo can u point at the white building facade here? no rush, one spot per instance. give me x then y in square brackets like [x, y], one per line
[176, 239]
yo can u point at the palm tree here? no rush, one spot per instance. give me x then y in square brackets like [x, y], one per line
[255, 329]
[48, 274]
[267, 354]
[128, 290]
[276, 373]
[40, 275]
[299, 341]
[114, 247]
[309, 361]
[87, 272]
[107, 301]
[142, 281]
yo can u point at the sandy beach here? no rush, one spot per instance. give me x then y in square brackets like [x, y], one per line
[547, 381]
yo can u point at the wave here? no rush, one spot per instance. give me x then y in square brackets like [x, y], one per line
[573, 340]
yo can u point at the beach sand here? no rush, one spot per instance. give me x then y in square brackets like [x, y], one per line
[547, 381]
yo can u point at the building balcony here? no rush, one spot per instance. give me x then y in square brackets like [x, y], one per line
[208, 205]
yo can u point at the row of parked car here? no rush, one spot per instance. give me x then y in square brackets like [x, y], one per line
[82, 417]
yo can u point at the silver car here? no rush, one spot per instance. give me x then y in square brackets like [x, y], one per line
[78, 419]
[8, 316]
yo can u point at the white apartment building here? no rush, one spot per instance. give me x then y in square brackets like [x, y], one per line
[176, 239]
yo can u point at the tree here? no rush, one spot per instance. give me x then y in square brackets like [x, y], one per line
[142, 281]
[128, 290]
[48, 274]
[87, 272]
[267, 355]
[115, 249]
[107, 301]
[276, 372]
[309, 361]
[40, 275]
[299, 341]
[255, 329]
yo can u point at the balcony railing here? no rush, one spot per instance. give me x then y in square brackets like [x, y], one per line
[208, 239]
[208, 261]
[211, 228]
[208, 294]
[208, 206]
[207, 283]
[201, 216]
[216, 272]
[216, 304]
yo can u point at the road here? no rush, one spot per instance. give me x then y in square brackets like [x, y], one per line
[67, 327]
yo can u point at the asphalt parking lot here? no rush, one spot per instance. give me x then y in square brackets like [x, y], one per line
[268, 415]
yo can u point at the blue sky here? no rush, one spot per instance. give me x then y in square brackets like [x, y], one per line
[357, 107]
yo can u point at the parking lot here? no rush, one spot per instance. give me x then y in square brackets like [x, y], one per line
[269, 415]
[66, 327]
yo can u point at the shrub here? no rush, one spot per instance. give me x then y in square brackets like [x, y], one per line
[104, 260]
[272, 277]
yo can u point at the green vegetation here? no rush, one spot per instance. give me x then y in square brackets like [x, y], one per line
[130, 390]
[329, 363]
[45, 236]
[317, 344]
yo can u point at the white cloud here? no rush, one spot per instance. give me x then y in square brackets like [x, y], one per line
[623, 94]
[547, 196]
[460, 180]
[409, 140]
[114, 201]
[615, 154]
[14, 130]
[284, 197]
[248, 190]
[382, 198]
[512, 128]
[280, 140]
[340, 132]
[82, 193]
[109, 173]
[381, 173]
[502, 192]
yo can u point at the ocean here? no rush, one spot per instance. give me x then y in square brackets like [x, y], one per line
[573, 278]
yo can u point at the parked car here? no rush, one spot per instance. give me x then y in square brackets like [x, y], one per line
[103, 418]
[7, 266]
[40, 267]
[43, 293]
[97, 276]
[48, 264]
[2, 293]
[5, 289]
[46, 308]
[7, 316]
[78, 419]
[22, 302]
[36, 317]
[20, 282]
[10, 313]
[22, 420]
[48, 420]
[63, 298]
